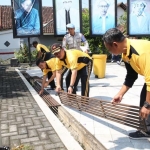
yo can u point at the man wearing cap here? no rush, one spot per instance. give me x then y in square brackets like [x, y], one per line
[101, 19]
[80, 64]
[48, 68]
[43, 51]
[73, 39]
[44, 54]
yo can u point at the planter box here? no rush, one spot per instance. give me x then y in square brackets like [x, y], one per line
[14, 62]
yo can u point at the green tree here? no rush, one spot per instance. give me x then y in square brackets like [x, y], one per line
[95, 43]
[123, 22]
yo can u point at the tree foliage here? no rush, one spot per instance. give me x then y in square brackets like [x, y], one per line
[123, 22]
[23, 54]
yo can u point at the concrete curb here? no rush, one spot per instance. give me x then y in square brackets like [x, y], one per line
[82, 135]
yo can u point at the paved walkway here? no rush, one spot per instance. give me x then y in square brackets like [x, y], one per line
[22, 119]
[113, 136]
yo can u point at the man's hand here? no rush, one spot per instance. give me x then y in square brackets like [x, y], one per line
[70, 90]
[46, 84]
[144, 113]
[116, 99]
[86, 51]
[41, 92]
[58, 89]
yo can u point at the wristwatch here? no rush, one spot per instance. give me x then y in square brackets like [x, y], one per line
[146, 104]
[71, 86]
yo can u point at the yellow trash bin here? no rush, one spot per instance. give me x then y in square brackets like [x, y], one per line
[99, 65]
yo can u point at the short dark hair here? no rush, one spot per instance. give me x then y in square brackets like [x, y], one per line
[39, 60]
[113, 35]
[34, 42]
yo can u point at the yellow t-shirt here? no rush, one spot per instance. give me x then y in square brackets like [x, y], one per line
[42, 48]
[51, 66]
[74, 59]
[140, 63]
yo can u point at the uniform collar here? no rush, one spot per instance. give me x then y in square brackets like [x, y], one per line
[72, 35]
[63, 59]
[128, 47]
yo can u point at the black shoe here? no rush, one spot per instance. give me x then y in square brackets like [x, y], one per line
[139, 135]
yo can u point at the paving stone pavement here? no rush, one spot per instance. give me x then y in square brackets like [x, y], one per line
[22, 121]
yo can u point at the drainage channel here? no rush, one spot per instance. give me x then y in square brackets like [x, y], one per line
[80, 134]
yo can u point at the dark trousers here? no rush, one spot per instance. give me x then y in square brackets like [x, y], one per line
[84, 75]
[142, 100]
[64, 70]
[47, 57]
[52, 83]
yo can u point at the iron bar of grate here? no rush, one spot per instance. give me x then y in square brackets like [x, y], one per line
[121, 113]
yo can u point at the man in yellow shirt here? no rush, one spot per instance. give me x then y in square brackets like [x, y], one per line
[45, 54]
[136, 55]
[80, 64]
[43, 51]
[48, 67]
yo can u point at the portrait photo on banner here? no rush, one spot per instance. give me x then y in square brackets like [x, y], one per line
[102, 16]
[66, 11]
[27, 20]
[138, 17]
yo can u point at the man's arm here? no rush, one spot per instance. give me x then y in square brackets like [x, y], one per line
[64, 42]
[43, 83]
[86, 45]
[39, 53]
[51, 78]
[58, 80]
[129, 81]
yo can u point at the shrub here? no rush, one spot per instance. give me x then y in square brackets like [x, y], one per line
[23, 54]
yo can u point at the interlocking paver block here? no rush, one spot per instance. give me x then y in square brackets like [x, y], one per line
[17, 137]
[19, 118]
[45, 129]
[34, 127]
[22, 130]
[43, 135]
[3, 116]
[12, 128]
[54, 138]
[29, 139]
[38, 148]
[46, 124]
[4, 126]
[5, 140]
[36, 122]
[32, 133]
[40, 114]
[44, 142]
[11, 116]
[9, 134]
[28, 120]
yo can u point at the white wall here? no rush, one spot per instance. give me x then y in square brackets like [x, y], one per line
[14, 44]
[120, 12]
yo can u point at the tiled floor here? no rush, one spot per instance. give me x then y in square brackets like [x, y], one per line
[113, 136]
